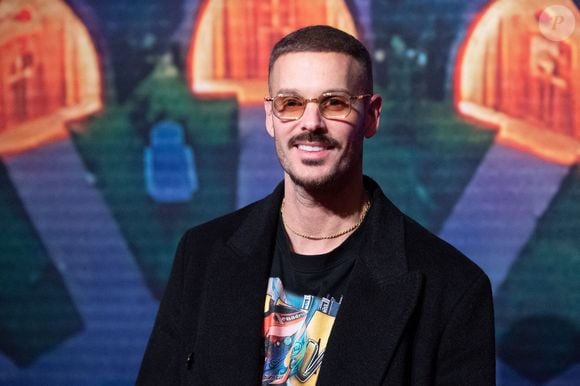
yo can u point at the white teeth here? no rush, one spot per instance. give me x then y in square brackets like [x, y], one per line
[310, 148]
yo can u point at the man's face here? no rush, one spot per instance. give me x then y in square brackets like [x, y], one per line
[314, 151]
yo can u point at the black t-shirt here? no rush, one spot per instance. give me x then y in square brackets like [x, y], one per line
[303, 298]
[319, 275]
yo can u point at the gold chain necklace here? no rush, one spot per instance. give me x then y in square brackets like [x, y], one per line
[363, 214]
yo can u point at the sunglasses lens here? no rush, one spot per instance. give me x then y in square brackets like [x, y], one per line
[335, 106]
[289, 107]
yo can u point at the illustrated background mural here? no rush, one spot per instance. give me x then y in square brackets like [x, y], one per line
[121, 125]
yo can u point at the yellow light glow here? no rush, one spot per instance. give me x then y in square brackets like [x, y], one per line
[513, 78]
[233, 39]
[49, 73]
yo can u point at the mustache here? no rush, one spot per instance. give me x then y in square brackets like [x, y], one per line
[321, 138]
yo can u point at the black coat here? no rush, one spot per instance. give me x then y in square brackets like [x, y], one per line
[415, 312]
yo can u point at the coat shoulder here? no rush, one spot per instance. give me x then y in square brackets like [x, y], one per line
[437, 259]
[220, 227]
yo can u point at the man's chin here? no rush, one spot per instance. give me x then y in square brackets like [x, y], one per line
[315, 183]
[313, 162]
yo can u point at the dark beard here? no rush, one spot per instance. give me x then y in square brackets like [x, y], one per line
[323, 183]
[326, 183]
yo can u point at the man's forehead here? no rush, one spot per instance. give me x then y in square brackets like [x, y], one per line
[306, 56]
[325, 71]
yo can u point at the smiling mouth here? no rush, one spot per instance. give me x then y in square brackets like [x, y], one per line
[313, 142]
[311, 148]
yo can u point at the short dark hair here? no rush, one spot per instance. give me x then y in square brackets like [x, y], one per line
[324, 38]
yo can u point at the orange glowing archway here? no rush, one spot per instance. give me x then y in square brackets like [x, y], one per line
[49, 72]
[232, 41]
[513, 78]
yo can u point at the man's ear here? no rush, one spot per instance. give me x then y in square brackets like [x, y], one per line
[269, 118]
[373, 115]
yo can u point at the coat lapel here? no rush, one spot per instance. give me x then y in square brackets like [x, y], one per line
[367, 330]
[231, 342]
[377, 304]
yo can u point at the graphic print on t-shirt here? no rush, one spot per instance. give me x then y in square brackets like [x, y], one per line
[296, 331]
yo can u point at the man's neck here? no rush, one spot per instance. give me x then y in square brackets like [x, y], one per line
[308, 215]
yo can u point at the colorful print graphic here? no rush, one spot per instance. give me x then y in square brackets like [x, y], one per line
[296, 331]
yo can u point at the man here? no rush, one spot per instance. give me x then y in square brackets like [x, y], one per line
[356, 293]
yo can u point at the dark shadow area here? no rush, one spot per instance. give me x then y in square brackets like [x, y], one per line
[540, 346]
[36, 310]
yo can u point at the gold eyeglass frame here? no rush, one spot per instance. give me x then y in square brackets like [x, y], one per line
[318, 100]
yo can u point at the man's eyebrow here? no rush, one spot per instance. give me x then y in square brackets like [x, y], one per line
[293, 91]
[337, 90]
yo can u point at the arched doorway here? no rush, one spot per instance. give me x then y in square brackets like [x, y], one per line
[511, 77]
[49, 72]
[232, 41]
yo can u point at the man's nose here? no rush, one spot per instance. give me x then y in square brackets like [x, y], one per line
[312, 119]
